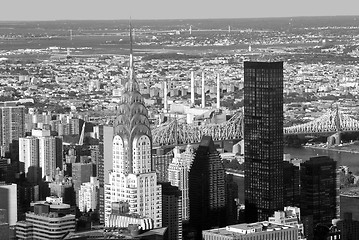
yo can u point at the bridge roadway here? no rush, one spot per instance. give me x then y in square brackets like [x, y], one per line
[175, 133]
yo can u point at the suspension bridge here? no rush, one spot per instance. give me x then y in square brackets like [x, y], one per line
[173, 132]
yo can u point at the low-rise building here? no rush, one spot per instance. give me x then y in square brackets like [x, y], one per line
[45, 225]
[252, 231]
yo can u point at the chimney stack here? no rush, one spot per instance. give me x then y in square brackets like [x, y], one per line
[218, 93]
[192, 88]
[165, 96]
[203, 92]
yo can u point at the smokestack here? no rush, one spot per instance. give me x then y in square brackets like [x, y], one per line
[165, 107]
[192, 88]
[203, 92]
[218, 93]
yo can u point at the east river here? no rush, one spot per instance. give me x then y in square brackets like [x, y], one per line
[348, 159]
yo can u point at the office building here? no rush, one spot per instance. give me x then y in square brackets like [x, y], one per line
[263, 139]
[291, 182]
[8, 170]
[9, 202]
[290, 216]
[88, 195]
[133, 178]
[178, 171]
[348, 228]
[12, 122]
[254, 231]
[232, 197]
[161, 160]
[207, 189]
[45, 225]
[318, 189]
[172, 211]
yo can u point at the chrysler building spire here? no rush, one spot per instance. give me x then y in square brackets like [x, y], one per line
[131, 54]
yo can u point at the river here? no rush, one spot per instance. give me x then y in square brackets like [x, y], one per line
[343, 158]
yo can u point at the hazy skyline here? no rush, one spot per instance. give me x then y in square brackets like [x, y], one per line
[169, 9]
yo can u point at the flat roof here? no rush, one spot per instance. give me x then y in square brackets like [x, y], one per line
[249, 228]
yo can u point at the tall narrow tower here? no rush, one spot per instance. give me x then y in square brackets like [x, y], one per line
[218, 93]
[263, 139]
[165, 100]
[203, 92]
[192, 88]
[133, 179]
[207, 189]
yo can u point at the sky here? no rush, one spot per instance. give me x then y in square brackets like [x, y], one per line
[11, 10]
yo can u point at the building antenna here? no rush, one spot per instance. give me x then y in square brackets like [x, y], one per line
[131, 53]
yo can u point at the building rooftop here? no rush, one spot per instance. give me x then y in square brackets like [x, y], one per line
[249, 228]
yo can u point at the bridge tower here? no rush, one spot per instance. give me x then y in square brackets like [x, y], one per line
[335, 139]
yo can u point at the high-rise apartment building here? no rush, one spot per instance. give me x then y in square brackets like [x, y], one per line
[263, 139]
[88, 195]
[9, 202]
[172, 211]
[29, 155]
[207, 189]
[12, 125]
[81, 173]
[41, 150]
[178, 171]
[318, 189]
[133, 179]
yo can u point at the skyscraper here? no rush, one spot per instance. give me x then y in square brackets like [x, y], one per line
[133, 178]
[41, 151]
[172, 211]
[318, 189]
[12, 125]
[207, 189]
[178, 171]
[291, 182]
[9, 202]
[263, 139]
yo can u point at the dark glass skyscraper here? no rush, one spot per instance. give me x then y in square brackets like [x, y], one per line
[207, 189]
[263, 139]
[318, 189]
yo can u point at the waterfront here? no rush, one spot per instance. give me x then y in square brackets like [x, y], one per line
[343, 158]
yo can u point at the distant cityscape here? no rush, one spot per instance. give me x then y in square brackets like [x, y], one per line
[227, 129]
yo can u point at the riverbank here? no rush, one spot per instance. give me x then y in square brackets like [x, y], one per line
[353, 147]
[331, 149]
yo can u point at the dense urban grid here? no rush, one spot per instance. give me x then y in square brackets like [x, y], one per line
[192, 129]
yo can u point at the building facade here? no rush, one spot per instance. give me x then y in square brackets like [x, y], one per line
[133, 179]
[12, 122]
[178, 171]
[88, 195]
[44, 225]
[263, 139]
[172, 211]
[254, 231]
[318, 189]
[207, 189]
[41, 150]
[9, 202]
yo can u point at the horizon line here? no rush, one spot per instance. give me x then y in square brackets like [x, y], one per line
[176, 19]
